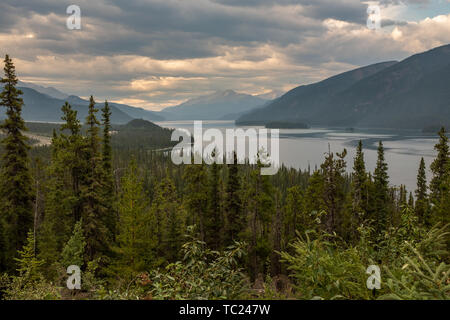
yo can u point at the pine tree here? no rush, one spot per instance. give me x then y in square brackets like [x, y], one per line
[62, 199]
[334, 194]
[27, 263]
[260, 208]
[94, 204]
[359, 181]
[73, 156]
[196, 195]
[73, 252]
[134, 238]
[233, 204]
[213, 217]
[108, 180]
[411, 200]
[381, 196]
[295, 218]
[313, 200]
[16, 191]
[166, 220]
[2, 246]
[439, 168]
[358, 206]
[422, 204]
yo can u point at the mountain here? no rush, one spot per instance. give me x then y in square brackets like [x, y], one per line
[42, 107]
[141, 134]
[413, 93]
[303, 102]
[133, 112]
[271, 95]
[50, 91]
[213, 107]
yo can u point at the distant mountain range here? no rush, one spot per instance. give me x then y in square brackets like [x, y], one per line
[413, 93]
[220, 105]
[44, 104]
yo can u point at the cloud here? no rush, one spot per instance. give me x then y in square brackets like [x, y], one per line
[158, 52]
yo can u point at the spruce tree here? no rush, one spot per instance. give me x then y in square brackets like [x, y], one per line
[2, 246]
[63, 198]
[196, 195]
[260, 208]
[108, 180]
[381, 197]
[134, 238]
[422, 203]
[333, 171]
[439, 168]
[313, 201]
[167, 220]
[359, 187]
[235, 223]
[296, 219]
[213, 218]
[94, 204]
[27, 263]
[16, 193]
[73, 153]
[73, 252]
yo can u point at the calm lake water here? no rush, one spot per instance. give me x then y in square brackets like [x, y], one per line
[300, 148]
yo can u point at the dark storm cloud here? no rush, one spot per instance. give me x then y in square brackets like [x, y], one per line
[174, 29]
[169, 29]
[168, 50]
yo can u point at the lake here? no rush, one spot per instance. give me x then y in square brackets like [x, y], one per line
[300, 148]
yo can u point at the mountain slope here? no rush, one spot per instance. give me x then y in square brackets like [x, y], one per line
[133, 112]
[303, 102]
[213, 107]
[42, 107]
[50, 91]
[413, 93]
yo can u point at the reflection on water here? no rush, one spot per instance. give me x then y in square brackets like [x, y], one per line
[303, 148]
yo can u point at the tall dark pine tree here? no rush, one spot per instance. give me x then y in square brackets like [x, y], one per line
[359, 183]
[260, 208]
[63, 198]
[196, 196]
[233, 204]
[381, 184]
[440, 167]
[110, 218]
[333, 173]
[2, 247]
[213, 219]
[422, 203]
[16, 193]
[94, 204]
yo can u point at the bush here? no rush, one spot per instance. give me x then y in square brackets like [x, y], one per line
[203, 274]
[320, 269]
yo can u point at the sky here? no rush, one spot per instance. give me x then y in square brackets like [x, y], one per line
[158, 53]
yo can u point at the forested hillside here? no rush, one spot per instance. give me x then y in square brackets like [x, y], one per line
[141, 227]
